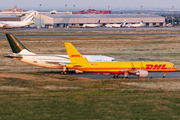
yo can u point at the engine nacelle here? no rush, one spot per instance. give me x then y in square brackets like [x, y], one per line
[141, 73]
[78, 71]
[1, 25]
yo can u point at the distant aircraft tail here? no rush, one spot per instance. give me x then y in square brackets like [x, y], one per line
[29, 18]
[141, 22]
[16, 45]
[123, 23]
[98, 22]
[74, 55]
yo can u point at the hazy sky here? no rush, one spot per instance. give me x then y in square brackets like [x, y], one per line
[97, 4]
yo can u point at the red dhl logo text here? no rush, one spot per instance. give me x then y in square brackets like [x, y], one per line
[157, 67]
[75, 55]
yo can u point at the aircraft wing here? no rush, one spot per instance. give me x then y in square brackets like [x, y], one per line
[130, 70]
[62, 64]
[133, 69]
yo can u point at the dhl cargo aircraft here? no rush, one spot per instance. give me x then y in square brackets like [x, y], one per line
[139, 69]
[21, 53]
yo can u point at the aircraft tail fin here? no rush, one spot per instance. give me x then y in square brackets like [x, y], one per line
[98, 22]
[15, 44]
[29, 18]
[74, 55]
[123, 23]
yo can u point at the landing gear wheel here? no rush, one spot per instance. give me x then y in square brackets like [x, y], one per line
[64, 73]
[115, 76]
[164, 74]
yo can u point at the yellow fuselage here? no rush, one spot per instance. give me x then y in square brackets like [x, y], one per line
[120, 67]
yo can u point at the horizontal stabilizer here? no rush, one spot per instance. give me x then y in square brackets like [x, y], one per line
[14, 56]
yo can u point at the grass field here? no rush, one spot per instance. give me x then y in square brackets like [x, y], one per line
[53, 96]
[30, 92]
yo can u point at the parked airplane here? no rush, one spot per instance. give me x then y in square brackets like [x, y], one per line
[134, 25]
[21, 53]
[92, 25]
[116, 25]
[139, 69]
[14, 24]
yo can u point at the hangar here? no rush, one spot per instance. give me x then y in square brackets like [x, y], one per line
[79, 19]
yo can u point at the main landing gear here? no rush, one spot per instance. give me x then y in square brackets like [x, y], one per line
[116, 76]
[125, 75]
[65, 71]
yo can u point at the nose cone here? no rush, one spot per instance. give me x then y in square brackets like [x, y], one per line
[175, 68]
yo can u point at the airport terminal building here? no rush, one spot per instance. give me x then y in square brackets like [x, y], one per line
[79, 19]
[61, 19]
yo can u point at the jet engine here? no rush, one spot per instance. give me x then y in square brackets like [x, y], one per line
[141, 73]
[78, 71]
[1, 25]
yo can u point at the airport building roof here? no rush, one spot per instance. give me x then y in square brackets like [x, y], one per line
[79, 19]
[103, 16]
[7, 16]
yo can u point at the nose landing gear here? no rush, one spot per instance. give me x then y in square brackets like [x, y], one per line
[164, 76]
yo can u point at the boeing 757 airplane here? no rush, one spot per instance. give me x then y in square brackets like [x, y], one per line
[14, 24]
[21, 53]
[92, 25]
[139, 69]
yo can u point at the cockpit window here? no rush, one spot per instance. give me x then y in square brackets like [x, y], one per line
[174, 66]
[113, 60]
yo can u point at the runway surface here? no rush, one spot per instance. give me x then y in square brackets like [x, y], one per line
[93, 29]
[100, 29]
[151, 75]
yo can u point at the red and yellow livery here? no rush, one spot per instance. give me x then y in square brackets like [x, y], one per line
[139, 69]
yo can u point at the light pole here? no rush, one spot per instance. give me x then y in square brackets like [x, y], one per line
[65, 15]
[172, 15]
[108, 14]
[73, 14]
[141, 13]
[40, 16]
